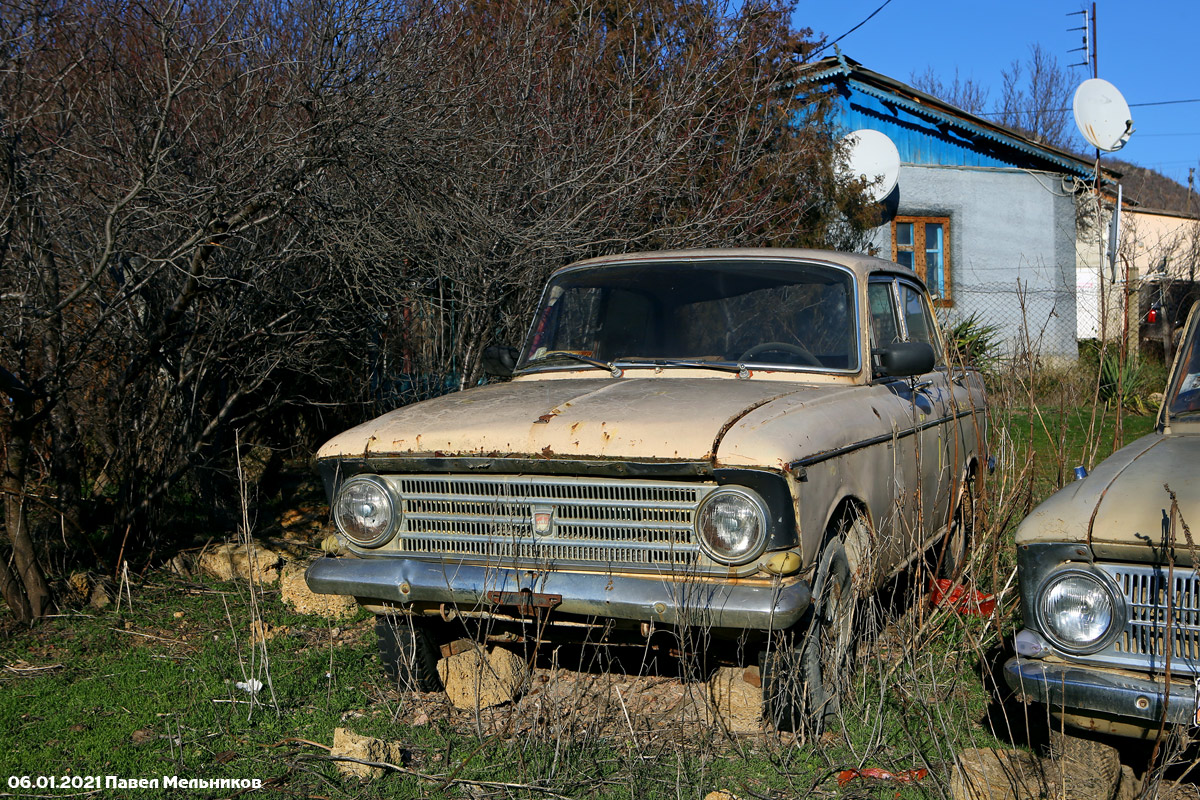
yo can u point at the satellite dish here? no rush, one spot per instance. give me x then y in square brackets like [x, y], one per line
[874, 158]
[1102, 115]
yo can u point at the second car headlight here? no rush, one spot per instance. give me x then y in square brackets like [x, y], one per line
[732, 525]
[365, 511]
[1079, 610]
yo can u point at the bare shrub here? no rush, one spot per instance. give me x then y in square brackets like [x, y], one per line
[275, 218]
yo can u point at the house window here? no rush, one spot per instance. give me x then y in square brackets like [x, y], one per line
[923, 245]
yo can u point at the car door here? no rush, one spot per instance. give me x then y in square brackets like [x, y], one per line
[898, 524]
[940, 444]
[924, 448]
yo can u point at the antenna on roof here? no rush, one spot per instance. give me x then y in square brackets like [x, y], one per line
[1102, 115]
[872, 157]
[1086, 49]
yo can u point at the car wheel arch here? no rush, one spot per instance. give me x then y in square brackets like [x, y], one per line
[851, 522]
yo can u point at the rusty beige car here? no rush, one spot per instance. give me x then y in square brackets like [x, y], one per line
[1110, 595]
[738, 442]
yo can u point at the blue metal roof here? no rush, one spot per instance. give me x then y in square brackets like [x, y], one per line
[927, 130]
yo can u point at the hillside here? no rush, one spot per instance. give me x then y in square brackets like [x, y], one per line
[1153, 189]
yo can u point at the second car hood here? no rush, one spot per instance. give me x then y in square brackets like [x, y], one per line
[630, 418]
[1125, 500]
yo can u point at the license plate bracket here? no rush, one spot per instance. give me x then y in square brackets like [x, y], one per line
[527, 602]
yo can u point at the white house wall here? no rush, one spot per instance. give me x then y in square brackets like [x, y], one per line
[1012, 250]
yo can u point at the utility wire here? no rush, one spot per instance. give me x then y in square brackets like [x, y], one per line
[828, 45]
[1063, 110]
[1164, 103]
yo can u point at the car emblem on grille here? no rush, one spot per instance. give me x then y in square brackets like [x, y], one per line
[543, 519]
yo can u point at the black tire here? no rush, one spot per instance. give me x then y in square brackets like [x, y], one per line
[1095, 767]
[829, 641]
[409, 652]
[806, 671]
[954, 551]
[782, 682]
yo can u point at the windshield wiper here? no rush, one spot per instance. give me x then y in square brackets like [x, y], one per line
[611, 368]
[740, 369]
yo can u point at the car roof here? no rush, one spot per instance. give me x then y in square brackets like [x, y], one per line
[862, 265]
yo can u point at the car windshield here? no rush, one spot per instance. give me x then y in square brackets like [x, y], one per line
[1184, 395]
[789, 315]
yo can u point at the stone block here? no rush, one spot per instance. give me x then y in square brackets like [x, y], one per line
[365, 748]
[224, 562]
[475, 679]
[735, 697]
[295, 593]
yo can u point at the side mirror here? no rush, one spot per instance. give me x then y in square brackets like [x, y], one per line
[905, 359]
[500, 360]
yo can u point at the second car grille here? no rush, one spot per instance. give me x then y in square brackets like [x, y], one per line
[1150, 632]
[638, 525]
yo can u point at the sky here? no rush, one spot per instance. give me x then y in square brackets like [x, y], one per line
[1146, 48]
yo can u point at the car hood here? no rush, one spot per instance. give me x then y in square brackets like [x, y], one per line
[1125, 500]
[661, 419]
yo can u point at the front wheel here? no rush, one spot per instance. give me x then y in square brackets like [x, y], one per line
[409, 652]
[829, 639]
[805, 675]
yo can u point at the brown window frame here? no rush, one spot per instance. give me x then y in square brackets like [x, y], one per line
[918, 251]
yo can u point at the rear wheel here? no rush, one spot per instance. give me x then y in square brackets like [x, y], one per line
[409, 652]
[954, 551]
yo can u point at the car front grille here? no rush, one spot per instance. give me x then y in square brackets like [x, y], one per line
[636, 525]
[1151, 633]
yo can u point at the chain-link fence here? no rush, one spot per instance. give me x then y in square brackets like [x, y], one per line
[1024, 321]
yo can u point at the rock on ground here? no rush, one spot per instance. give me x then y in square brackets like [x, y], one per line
[1078, 769]
[99, 599]
[295, 593]
[735, 697]
[224, 562]
[79, 587]
[475, 679]
[351, 745]
[305, 522]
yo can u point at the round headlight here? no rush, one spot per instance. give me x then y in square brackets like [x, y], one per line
[364, 512]
[732, 525]
[1079, 610]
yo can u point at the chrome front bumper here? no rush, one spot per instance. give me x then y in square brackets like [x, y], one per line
[1090, 690]
[670, 599]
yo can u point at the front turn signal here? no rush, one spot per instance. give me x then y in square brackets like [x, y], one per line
[783, 563]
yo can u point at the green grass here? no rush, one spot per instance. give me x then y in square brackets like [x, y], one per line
[1060, 441]
[148, 693]
[151, 693]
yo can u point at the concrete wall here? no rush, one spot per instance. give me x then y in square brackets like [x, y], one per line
[1156, 247]
[1010, 230]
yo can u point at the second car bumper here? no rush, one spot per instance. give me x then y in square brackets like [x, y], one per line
[1087, 690]
[670, 599]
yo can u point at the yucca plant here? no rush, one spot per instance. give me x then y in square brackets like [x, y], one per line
[1129, 380]
[973, 342]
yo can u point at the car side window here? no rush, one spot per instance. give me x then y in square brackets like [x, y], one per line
[918, 320]
[884, 327]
